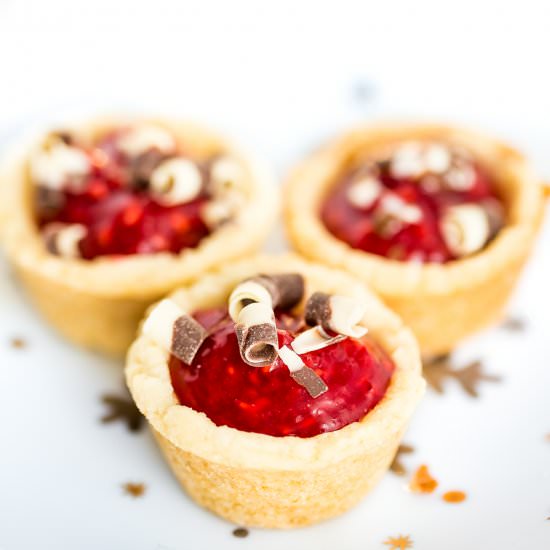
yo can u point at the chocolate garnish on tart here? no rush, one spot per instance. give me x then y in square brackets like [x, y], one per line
[251, 306]
[424, 201]
[133, 190]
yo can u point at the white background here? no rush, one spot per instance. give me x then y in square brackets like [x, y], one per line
[279, 77]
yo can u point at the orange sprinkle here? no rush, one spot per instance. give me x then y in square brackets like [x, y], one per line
[422, 481]
[454, 496]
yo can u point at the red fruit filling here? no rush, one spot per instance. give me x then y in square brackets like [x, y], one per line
[420, 241]
[120, 215]
[267, 400]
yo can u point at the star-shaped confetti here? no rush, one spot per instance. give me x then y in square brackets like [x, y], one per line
[441, 368]
[399, 543]
[397, 466]
[134, 490]
[124, 409]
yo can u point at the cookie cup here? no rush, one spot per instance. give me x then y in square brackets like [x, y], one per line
[277, 482]
[441, 303]
[98, 303]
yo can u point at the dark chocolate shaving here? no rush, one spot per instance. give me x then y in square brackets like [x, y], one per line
[49, 237]
[48, 202]
[258, 344]
[318, 311]
[286, 289]
[142, 166]
[187, 338]
[64, 136]
[310, 380]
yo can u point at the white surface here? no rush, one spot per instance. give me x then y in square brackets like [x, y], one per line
[281, 77]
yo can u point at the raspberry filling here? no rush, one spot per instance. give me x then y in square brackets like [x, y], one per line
[421, 240]
[121, 217]
[266, 399]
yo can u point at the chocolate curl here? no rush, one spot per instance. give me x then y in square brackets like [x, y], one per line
[175, 331]
[227, 176]
[286, 289]
[246, 293]
[57, 164]
[465, 229]
[143, 137]
[282, 291]
[175, 181]
[336, 314]
[302, 374]
[141, 168]
[257, 334]
[48, 202]
[314, 339]
[64, 239]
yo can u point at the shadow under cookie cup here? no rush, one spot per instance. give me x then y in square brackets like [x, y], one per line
[442, 303]
[98, 303]
[278, 482]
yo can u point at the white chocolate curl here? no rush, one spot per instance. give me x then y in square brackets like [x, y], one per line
[282, 290]
[176, 181]
[461, 177]
[412, 159]
[347, 314]
[248, 290]
[394, 206]
[340, 314]
[256, 313]
[222, 209]
[314, 339]
[64, 240]
[302, 374]
[159, 324]
[364, 192]
[142, 138]
[465, 229]
[291, 359]
[226, 176]
[57, 164]
[175, 331]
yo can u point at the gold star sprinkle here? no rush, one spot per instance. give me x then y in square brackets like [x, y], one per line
[441, 368]
[399, 543]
